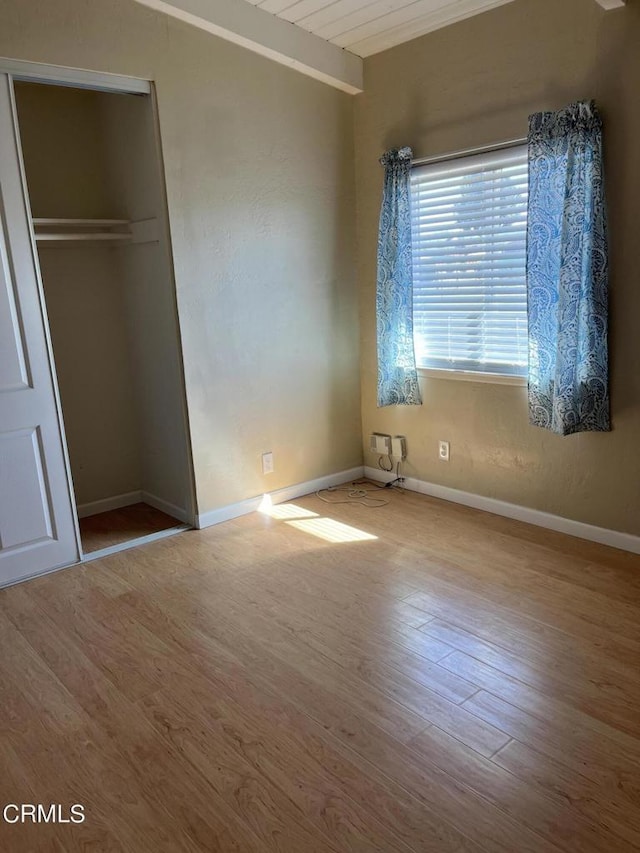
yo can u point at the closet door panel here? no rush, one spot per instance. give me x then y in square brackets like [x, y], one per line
[25, 510]
[37, 514]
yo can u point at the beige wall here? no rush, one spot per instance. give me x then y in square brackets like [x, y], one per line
[64, 152]
[86, 308]
[259, 163]
[475, 83]
[129, 132]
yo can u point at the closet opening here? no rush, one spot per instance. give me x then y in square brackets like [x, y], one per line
[93, 168]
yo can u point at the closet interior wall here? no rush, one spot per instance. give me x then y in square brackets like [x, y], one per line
[133, 162]
[111, 307]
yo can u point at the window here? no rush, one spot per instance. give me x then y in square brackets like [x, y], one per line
[468, 223]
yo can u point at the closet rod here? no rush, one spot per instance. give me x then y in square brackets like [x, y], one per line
[468, 152]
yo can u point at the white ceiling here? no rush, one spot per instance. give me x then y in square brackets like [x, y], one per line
[365, 27]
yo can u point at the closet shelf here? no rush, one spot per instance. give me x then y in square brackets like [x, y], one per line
[49, 230]
[81, 223]
[117, 238]
[83, 231]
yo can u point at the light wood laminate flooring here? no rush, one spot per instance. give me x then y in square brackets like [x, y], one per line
[329, 678]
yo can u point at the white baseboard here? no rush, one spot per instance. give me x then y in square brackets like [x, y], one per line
[226, 513]
[613, 538]
[104, 505]
[164, 506]
[118, 501]
[602, 535]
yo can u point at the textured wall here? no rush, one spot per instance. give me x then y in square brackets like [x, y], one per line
[475, 83]
[86, 308]
[259, 165]
[129, 131]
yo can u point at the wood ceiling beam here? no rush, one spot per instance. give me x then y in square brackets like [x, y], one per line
[263, 33]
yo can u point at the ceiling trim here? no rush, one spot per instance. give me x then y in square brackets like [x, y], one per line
[258, 31]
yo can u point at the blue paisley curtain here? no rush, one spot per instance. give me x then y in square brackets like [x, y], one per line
[397, 376]
[567, 272]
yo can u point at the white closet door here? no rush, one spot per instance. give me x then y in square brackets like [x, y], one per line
[37, 524]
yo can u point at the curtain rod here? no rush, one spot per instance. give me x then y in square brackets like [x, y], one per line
[484, 149]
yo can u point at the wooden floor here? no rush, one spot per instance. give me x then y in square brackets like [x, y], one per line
[122, 525]
[460, 683]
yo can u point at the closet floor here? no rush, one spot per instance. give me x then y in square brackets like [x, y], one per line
[122, 525]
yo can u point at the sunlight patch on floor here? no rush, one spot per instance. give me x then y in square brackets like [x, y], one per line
[331, 531]
[284, 511]
[310, 522]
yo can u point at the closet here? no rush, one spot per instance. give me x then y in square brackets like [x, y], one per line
[102, 266]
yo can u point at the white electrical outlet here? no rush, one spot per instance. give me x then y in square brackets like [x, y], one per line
[443, 451]
[267, 463]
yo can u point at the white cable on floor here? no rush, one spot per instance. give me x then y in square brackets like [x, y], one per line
[359, 492]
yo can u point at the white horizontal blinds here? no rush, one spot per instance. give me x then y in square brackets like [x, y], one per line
[468, 220]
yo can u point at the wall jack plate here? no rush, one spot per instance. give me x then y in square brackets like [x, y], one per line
[399, 448]
[380, 443]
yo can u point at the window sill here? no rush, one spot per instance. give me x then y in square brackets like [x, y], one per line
[472, 376]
